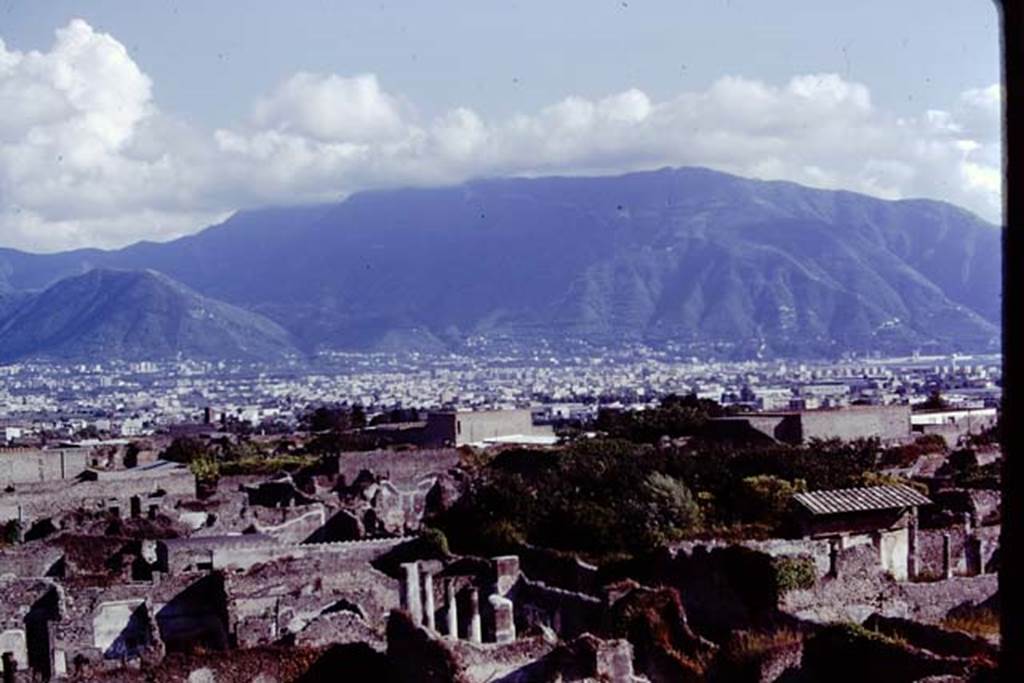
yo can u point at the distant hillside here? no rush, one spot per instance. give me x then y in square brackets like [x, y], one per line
[132, 315]
[688, 255]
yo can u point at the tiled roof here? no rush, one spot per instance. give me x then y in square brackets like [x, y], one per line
[837, 501]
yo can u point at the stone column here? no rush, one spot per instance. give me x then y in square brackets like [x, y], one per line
[912, 553]
[833, 558]
[10, 667]
[968, 526]
[428, 601]
[504, 619]
[507, 570]
[947, 557]
[411, 592]
[974, 555]
[476, 633]
[453, 611]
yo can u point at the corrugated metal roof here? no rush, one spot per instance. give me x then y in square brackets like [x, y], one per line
[837, 501]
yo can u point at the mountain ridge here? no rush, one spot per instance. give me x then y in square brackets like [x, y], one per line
[686, 255]
[133, 315]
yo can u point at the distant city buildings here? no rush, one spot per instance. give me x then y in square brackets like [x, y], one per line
[40, 403]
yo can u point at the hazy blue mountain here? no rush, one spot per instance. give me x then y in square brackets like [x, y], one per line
[132, 315]
[688, 255]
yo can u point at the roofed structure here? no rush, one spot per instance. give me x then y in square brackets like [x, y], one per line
[842, 501]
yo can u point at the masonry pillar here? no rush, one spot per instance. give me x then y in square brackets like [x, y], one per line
[947, 557]
[452, 612]
[411, 592]
[476, 633]
[833, 558]
[507, 570]
[428, 601]
[613, 661]
[967, 522]
[10, 667]
[504, 619]
[974, 555]
[21, 525]
[912, 556]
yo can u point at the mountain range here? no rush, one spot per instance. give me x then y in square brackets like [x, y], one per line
[690, 256]
[134, 315]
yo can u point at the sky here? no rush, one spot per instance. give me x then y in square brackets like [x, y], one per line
[125, 121]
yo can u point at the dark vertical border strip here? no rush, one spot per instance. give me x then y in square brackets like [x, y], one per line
[1011, 568]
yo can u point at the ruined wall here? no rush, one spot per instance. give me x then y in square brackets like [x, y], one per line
[13, 640]
[42, 500]
[950, 433]
[23, 466]
[403, 468]
[139, 619]
[245, 557]
[889, 423]
[863, 589]
[29, 560]
[473, 427]
[930, 545]
[287, 525]
[567, 613]
[286, 597]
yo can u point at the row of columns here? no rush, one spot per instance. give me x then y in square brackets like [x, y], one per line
[418, 601]
[973, 552]
[973, 555]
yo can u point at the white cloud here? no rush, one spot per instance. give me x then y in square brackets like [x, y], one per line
[331, 108]
[87, 157]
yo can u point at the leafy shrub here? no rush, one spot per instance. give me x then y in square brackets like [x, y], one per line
[870, 478]
[11, 532]
[794, 573]
[205, 469]
[931, 443]
[767, 498]
[434, 542]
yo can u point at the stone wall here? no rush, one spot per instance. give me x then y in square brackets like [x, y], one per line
[863, 589]
[243, 552]
[23, 466]
[403, 468]
[42, 500]
[931, 549]
[567, 613]
[888, 423]
[30, 560]
[281, 598]
[139, 620]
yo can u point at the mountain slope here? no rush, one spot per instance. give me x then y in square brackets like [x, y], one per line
[686, 255]
[133, 315]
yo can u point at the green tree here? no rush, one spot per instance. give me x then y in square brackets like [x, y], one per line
[185, 450]
[674, 510]
[206, 470]
[935, 401]
[766, 498]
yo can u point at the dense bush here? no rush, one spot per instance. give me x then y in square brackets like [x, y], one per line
[766, 498]
[602, 497]
[794, 573]
[675, 416]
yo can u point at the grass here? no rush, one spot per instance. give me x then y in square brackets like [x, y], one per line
[982, 621]
[746, 649]
[269, 465]
[749, 644]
